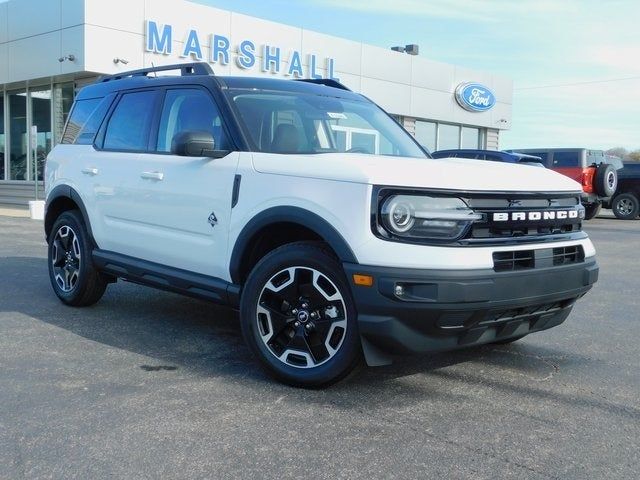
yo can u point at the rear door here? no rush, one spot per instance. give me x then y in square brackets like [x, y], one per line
[115, 168]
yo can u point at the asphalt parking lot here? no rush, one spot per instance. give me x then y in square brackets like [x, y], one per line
[148, 384]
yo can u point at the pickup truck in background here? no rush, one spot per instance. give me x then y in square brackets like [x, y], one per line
[593, 169]
[625, 202]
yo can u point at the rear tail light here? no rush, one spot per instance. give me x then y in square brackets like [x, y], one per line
[588, 175]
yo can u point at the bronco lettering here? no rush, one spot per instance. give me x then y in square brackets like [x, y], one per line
[535, 216]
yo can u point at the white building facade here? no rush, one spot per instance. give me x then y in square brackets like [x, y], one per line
[51, 48]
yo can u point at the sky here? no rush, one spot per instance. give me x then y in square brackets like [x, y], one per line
[575, 63]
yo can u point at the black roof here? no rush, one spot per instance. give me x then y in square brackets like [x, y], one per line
[200, 73]
[279, 84]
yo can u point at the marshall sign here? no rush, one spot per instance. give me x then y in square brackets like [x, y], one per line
[246, 54]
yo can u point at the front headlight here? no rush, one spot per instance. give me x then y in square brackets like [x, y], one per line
[421, 217]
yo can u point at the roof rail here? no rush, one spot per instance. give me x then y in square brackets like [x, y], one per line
[196, 68]
[329, 82]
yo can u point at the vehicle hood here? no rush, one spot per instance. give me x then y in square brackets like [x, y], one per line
[440, 173]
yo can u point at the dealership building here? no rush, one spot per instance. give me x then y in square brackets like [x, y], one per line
[51, 48]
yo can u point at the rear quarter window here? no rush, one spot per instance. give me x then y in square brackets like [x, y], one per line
[82, 110]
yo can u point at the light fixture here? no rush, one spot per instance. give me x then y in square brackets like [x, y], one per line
[71, 57]
[411, 49]
[118, 60]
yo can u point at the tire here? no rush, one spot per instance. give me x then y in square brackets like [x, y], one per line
[298, 316]
[508, 340]
[606, 180]
[626, 206]
[591, 211]
[73, 276]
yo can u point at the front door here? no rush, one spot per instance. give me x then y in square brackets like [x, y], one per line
[181, 206]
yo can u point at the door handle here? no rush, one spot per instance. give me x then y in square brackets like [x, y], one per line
[90, 171]
[152, 175]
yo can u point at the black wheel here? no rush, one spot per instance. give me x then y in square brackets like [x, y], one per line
[298, 316]
[591, 210]
[606, 180]
[73, 276]
[626, 206]
[509, 340]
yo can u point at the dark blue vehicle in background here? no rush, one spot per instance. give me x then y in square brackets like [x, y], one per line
[491, 155]
[625, 202]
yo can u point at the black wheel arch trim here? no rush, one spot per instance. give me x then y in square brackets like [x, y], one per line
[66, 191]
[283, 214]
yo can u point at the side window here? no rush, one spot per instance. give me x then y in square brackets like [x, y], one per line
[595, 157]
[189, 110]
[130, 123]
[81, 112]
[566, 159]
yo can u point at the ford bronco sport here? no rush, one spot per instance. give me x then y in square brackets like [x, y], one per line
[311, 210]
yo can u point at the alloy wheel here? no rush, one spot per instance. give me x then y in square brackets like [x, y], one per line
[301, 317]
[66, 258]
[625, 206]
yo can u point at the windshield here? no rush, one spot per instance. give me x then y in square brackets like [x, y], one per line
[300, 123]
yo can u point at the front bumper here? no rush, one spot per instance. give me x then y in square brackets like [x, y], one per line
[449, 309]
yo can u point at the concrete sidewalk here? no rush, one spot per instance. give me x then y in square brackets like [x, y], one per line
[14, 211]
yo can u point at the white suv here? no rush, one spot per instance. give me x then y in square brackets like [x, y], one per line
[311, 210]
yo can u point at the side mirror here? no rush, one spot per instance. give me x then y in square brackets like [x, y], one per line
[194, 144]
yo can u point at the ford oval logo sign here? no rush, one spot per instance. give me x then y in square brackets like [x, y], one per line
[475, 97]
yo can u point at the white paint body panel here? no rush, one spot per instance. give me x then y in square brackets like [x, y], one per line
[445, 173]
[166, 221]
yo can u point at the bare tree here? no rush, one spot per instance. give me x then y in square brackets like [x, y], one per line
[618, 152]
[634, 156]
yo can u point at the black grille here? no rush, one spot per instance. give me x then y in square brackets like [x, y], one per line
[509, 261]
[567, 255]
[541, 258]
[530, 229]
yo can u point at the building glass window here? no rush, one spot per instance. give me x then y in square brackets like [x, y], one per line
[41, 131]
[448, 136]
[426, 134]
[2, 141]
[18, 153]
[470, 138]
[63, 94]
